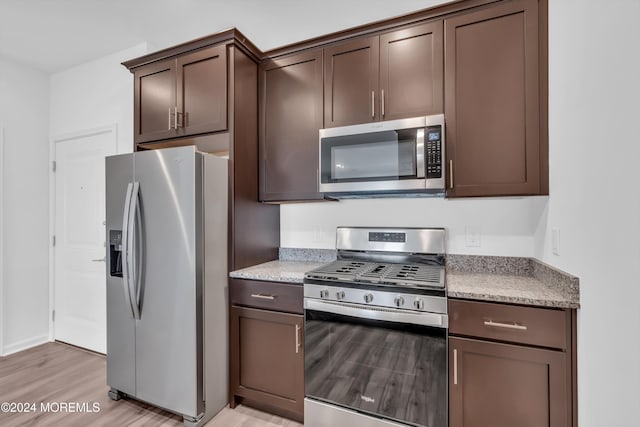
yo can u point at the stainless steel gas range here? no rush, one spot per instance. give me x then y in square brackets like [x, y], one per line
[376, 331]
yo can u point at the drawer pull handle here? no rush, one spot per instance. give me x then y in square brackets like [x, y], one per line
[261, 296]
[298, 338]
[505, 325]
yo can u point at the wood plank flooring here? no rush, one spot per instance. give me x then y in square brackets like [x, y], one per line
[56, 373]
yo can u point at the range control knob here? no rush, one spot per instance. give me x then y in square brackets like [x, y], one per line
[368, 298]
[419, 304]
[398, 301]
[340, 295]
[324, 293]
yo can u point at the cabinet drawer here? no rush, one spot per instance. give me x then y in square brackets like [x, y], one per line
[526, 325]
[275, 296]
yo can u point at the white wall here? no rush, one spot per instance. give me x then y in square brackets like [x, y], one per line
[35, 107]
[24, 114]
[594, 93]
[506, 225]
[94, 95]
[594, 97]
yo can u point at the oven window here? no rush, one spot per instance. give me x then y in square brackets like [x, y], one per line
[397, 371]
[389, 155]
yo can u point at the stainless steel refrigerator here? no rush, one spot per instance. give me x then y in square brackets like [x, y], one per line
[167, 280]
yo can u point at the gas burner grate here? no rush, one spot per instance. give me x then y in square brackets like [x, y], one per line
[341, 270]
[412, 275]
[415, 274]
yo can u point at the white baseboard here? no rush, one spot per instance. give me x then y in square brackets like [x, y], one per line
[23, 345]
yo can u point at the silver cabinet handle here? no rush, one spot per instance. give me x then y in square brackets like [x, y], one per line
[455, 366]
[382, 102]
[261, 296]
[373, 104]
[175, 119]
[100, 260]
[451, 174]
[169, 119]
[505, 325]
[297, 338]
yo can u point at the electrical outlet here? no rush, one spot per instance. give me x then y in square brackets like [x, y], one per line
[473, 237]
[555, 241]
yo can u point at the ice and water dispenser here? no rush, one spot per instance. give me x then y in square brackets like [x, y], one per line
[115, 253]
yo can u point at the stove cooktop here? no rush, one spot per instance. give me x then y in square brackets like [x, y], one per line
[410, 275]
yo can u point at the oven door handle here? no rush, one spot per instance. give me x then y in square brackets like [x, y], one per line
[378, 313]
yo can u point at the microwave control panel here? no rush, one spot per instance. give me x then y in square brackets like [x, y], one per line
[434, 151]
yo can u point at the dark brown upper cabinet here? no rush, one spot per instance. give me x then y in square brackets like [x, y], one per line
[492, 107]
[154, 101]
[183, 96]
[395, 75]
[411, 72]
[351, 82]
[290, 118]
[202, 91]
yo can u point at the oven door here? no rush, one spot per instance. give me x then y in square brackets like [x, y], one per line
[384, 156]
[389, 364]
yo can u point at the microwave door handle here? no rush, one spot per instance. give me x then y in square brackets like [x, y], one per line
[420, 169]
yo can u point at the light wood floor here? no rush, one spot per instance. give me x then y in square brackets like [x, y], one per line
[56, 372]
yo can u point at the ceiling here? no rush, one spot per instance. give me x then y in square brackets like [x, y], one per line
[53, 35]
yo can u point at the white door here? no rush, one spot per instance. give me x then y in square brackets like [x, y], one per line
[80, 270]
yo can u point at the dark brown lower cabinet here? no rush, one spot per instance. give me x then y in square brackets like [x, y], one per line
[505, 385]
[267, 360]
[511, 365]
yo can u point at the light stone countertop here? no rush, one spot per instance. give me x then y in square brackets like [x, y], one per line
[497, 279]
[277, 271]
[508, 288]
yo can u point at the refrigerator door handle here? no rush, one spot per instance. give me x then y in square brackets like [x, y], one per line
[125, 245]
[139, 253]
[131, 246]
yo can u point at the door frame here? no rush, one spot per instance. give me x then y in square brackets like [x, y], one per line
[112, 129]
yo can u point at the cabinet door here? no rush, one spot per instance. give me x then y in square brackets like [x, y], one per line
[411, 72]
[202, 91]
[290, 118]
[502, 385]
[154, 101]
[267, 358]
[491, 101]
[351, 82]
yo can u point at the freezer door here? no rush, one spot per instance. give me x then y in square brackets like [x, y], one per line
[169, 331]
[121, 327]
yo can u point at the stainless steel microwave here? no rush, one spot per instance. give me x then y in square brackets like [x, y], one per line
[395, 157]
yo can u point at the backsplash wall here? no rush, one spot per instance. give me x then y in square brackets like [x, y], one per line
[486, 226]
